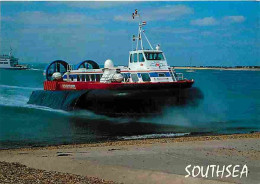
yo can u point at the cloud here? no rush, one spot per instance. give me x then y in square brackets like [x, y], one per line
[123, 18]
[234, 19]
[6, 18]
[167, 13]
[210, 21]
[173, 10]
[42, 18]
[174, 30]
[207, 21]
[89, 5]
[207, 33]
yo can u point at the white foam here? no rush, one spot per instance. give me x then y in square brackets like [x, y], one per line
[20, 99]
[31, 106]
[35, 69]
[149, 136]
[13, 100]
[19, 87]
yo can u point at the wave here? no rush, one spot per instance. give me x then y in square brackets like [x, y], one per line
[30, 106]
[35, 69]
[150, 136]
[21, 101]
[18, 96]
[19, 87]
[18, 101]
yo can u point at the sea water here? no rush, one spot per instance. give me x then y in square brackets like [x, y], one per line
[230, 104]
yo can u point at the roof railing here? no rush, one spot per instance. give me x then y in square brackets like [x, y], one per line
[69, 67]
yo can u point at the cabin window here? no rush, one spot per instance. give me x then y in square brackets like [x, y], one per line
[161, 75]
[93, 78]
[145, 77]
[141, 57]
[175, 75]
[78, 78]
[3, 62]
[83, 77]
[86, 77]
[98, 76]
[154, 56]
[134, 77]
[135, 57]
[130, 58]
[126, 76]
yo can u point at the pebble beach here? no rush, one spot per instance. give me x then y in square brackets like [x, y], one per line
[133, 161]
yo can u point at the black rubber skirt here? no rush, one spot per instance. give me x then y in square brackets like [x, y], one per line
[116, 102]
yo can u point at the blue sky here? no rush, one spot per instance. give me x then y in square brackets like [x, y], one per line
[211, 33]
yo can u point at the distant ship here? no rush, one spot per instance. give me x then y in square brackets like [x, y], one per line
[10, 62]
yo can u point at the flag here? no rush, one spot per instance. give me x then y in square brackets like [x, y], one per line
[134, 38]
[135, 13]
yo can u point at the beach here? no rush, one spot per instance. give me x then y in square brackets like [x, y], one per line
[160, 160]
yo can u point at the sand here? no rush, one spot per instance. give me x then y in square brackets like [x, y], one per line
[137, 161]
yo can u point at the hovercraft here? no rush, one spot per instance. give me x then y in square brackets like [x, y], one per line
[144, 86]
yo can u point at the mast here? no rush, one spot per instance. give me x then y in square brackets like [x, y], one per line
[10, 53]
[140, 32]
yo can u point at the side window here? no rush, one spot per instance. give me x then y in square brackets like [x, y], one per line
[87, 77]
[83, 77]
[97, 77]
[134, 77]
[141, 57]
[146, 77]
[126, 76]
[92, 77]
[161, 75]
[78, 78]
[131, 59]
[135, 57]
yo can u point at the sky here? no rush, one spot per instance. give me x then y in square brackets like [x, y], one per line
[196, 33]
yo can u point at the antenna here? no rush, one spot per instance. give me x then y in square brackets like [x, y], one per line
[140, 31]
[10, 53]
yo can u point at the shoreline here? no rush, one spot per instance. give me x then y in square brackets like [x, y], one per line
[182, 138]
[156, 160]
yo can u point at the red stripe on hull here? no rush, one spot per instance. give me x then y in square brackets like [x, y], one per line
[50, 85]
[61, 86]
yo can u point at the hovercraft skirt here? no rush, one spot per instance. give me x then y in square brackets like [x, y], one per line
[116, 102]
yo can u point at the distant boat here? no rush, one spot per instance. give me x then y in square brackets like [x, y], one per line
[190, 69]
[10, 62]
